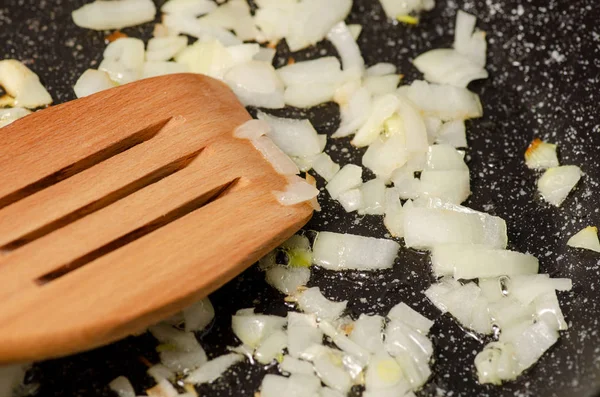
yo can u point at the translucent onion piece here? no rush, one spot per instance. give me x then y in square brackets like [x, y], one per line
[165, 48]
[271, 347]
[469, 262]
[122, 386]
[381, 69]
[447, 66]
[532, 343]
[547, 309]
[124, 60]
[381, 85]
[401, 338]
[164, 388]
[367, 332]
[526, 288]
[183, 341]
[383, 108]
[351, 200]
[23, 85]
[394, 216]
[9, 115]
[252, 129]
[154, 69]
[325, 166]
[188, 7]
[496, 362]
[311, 301]
[190, 25]
[199, 315]
[180, 361]
[297, 191]
[453, 133]
[91, 82]
[344, 343]
[468, 43]
[384, 373]
[297, 385]
[336, 251]
[354, 113]
[409, 316]
[278, 159]
[116, 14]
[329, 367]
[406, 184]
[445, 157]
[346, 47]
[295, 366]
[373, 197]
[328, 392]
[586, 238]
[386, 155]
[303, 333]
[305, 96]
[393, 8]
[541, 155]
[296, 138]
[349, 177]
[233, 15]
[253, 329]
[557, 182]
[449, 185]
[256, 84]
[287, 280]
[160, 372]
[325, 70]
[443, 101]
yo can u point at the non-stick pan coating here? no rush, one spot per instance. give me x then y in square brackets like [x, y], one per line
[544, 64]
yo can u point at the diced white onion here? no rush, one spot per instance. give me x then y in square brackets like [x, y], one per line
[453, 133]
[124, 60]
[381, 69]
[532, 342]
[23, 85]
[297, 385]
[468, 43]
[354, 113]
[213, 369]
[311, 301]
[199, 315]
[296, 138]
[287, 279]
[180, 361]
[256, 84]
[165, 48]
[351, 200]
[447, 66]
[272, 346]
[586, 238]
[183, 341]
[188, 7]
[409, 316]
[115, 14]
[252, 129]
[541, 155]
[91, 82]
[469, 262]
[367, 332]
[329, 392]
[305, 96]
[406, 184]
[160, 372]
[273, 154]
[384, 373]
[122, 386]
[190, 25]
[336, 251]
[394, 216]
[557, 182]
[547, 309]
[295, 366]
[303, 333]
[154, 69]
[386, 155]
[328, 365]
[349, 177]
[233, 15]
[526, 288]
[253, 329]
[324, 70]
[382, 85]
[8, 115]
[496, 362]
[164, 388]
[449, 185]
[346, 46]
[383, 108]
[297, 191]
[325, 166]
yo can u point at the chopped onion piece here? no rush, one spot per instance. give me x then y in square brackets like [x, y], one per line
[326, 70]
[265, 54]
[467, 43]
[287, 280]
[295, 366]
[541, 155]
[532, 342]
[273, 154]
[336, 251]
[526, 288]
[115, 14]
[496, 362]
[386, 155]
[384, 373]
[328, 392]
[153, 69]
[296, 138]
[367, 333]
[449, 185]
[349, 177]
[346, 46]
[394, 216]
[183, 341]
[557, 182]
[311, 301]
[329, 366]
[547, 309]
[252, 129]
[354, 113]
[325, 167]
[586, 238]
[180, 361]
[122, 386]
[393, 8]
[233, 15]
[271, 347]
[297, 191]
[447, 66]
[188, 7]
[382, 85]
[381, 69]
[9, 115]
[383, 108]
[124, 60]
[344, 343]
[453, 133]
[401, 338]
[297, 385]
[256, 84]
[405, 182]
[469, 262]
[91, 82]
[409, 316]
[445, 157]
[199, 315]
[252, 329]
[305, 96]
[23, 85]
[213, 369]
[303, 334]
[160, 372]
[373, 197]
[425, 228]
[351, 200]
[190, 25]
[165, 48]
[443, 101]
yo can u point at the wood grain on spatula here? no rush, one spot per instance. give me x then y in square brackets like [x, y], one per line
[119, 209]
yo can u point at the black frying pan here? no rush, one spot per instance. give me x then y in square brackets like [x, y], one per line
[544, 64]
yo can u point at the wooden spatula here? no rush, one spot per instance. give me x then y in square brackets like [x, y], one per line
[119, 209]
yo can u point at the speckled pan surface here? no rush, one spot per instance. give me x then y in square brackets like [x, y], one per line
[544, 64]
